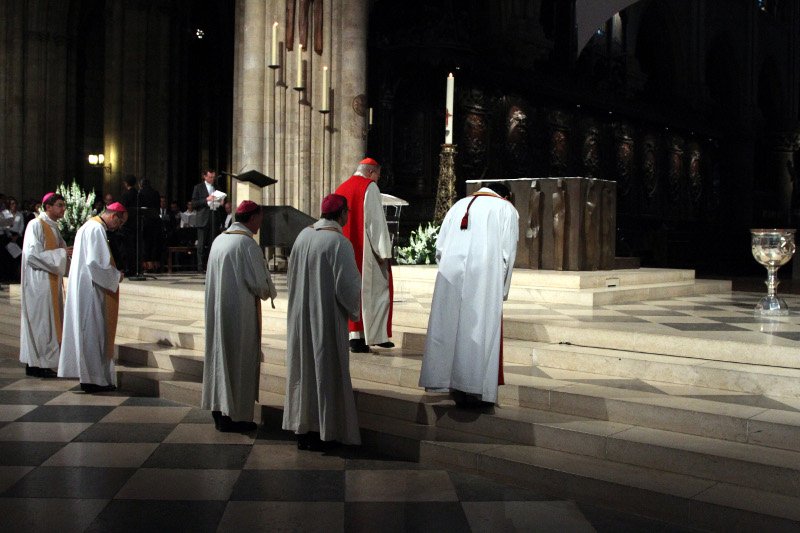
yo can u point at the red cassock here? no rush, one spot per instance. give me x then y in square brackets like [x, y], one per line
[354, 189]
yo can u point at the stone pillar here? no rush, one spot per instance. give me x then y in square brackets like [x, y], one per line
[279, 130]
[250, 84]
[351, 104]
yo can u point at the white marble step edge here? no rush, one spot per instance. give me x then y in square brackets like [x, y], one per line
[676, 498]
[735, 377]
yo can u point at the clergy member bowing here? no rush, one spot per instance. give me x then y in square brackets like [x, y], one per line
[237, 280]
[44, 263]
[92, 306]
[372, 244]
[475, 250]
[324, 292]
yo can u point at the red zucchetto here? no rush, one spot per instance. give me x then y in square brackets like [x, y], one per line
[116, 207]
[247, 206]
[369, 161]
[332, 203]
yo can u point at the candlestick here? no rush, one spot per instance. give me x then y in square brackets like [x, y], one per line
[299, 85]
[448, 114]
[325, 91]
[274, 57]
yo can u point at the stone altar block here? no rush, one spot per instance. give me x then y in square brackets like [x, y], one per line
[565, 223]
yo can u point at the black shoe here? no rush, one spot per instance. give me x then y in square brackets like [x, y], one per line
[387, 344]
[217, 416]
[466, 400]
[324, 445]
[32, 371]
[226, 425]
[358, 346]
[47, 373]
[304, 441]
[91, 388]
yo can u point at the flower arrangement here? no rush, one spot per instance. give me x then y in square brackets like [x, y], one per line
[421, 249]
[78, 211]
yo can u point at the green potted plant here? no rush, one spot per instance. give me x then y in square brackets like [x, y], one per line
[78, 211]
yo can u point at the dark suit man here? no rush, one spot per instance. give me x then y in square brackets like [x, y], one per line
[206, 218]
[126, 236]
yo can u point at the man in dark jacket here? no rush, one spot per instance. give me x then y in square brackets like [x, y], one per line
[206, 208]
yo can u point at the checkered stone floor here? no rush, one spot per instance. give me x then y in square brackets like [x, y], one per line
[76, 462]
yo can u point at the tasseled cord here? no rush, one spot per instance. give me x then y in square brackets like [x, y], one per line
[465, 220]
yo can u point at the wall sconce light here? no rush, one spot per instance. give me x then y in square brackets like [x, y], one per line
[98, 160]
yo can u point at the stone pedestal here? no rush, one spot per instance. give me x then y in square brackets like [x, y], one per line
[564, 223]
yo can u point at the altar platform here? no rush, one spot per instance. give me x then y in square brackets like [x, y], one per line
[682, 407]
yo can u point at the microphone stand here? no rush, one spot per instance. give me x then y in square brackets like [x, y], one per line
[139, 219]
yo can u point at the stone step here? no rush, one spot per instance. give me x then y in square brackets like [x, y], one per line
[396, 409]
[677, 343]
[718, 414]
[677, 498]
[749, 378]
[723, 461]
[590, 289]
[570, 392]
[424, 276]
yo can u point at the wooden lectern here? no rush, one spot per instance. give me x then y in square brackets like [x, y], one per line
[248, 186]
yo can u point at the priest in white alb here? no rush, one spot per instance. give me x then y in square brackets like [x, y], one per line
[475, 250]
[324, 292]
[237, 280]
[92, 306]
[372, 244]
[44, 263]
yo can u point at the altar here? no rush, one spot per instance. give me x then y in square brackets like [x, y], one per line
[565, 223]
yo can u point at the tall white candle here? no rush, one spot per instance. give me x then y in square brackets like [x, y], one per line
[448, 117]
[325, 89]
[370, 116]
[299, 80]
[274, 56]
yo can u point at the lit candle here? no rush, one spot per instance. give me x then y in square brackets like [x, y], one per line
[370, 116]
[325, 89]
[448, 114]
[299, 81]
[274, 58]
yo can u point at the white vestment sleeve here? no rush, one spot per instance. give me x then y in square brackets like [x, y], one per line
[98, 261]
[52, 261]
[347, 280]
[510, 237]
[376, 232]
[441, 238]
[259, 281]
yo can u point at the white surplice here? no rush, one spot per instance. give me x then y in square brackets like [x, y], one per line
[92, 276]
[38, 337]
[475, 265]
[324, 291]
[236, 280]
[375, 300]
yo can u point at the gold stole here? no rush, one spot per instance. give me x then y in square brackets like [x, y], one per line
[112, 305]
[258, 300]
[51, 243]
